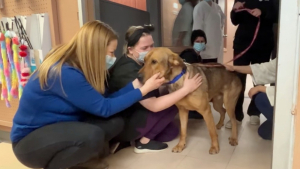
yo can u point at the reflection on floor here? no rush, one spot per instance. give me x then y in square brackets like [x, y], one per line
[252, 152]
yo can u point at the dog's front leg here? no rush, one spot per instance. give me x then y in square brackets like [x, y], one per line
[183, 116]
[209, 120]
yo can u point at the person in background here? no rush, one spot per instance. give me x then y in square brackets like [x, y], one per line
[192, 55]
[150, 122]
[51, 129]
[259, 52]
[208, 16]
[264, 73]
[183, 23]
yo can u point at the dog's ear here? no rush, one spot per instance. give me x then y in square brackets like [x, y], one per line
[175, 60]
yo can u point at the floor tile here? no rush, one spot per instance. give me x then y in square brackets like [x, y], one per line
[193, 163]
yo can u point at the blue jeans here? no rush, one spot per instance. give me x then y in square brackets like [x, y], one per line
[263, 104]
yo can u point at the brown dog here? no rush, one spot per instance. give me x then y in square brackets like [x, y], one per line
[218, 85]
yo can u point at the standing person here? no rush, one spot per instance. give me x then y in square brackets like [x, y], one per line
[208, 16]
[259, 52]
[183, 23]
[49, 129]
[150, 122]
[192, 55]
[263, 96]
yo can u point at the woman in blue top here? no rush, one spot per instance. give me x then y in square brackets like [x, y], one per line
[50, 130]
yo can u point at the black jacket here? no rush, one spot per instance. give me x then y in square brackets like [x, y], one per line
[190, 56]
[247, 25]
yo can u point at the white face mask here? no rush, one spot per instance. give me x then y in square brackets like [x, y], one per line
[110, 61]
[142, 56]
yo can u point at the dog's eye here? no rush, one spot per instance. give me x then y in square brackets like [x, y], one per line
[154, 62]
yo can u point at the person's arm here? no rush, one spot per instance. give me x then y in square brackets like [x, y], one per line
[243, 69]
[264, 73]
[186, 21]
[269, 90]
[198, 17]
[156, 104]
[267, 11]
[73, 87]
[236, 17]
[122, 91]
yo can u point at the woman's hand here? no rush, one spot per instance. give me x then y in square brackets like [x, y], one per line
[256, 12]
[192, 84]
[229, 67]
[238, 5]
[253, 91]
[151, 84]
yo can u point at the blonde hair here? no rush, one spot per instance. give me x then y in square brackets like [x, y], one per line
[86, 52]
[129, 32]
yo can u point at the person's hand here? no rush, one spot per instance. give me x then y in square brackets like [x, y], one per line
[238, 5]
[151, 84]
[229, 67]
[253, 91]
[256, 12]
[192, 84]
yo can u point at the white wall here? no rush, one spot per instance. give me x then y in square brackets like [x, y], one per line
[286, 84]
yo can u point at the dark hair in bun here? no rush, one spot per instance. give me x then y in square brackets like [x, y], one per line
[133, 35]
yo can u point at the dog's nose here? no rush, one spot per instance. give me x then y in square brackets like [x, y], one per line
[140, 77]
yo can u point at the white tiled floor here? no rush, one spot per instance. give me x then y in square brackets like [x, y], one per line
[252, 152]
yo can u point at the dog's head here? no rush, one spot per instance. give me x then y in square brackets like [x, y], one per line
[161, 60]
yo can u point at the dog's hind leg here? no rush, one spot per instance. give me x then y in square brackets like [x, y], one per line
[230, 100]
[209, 120]
[183, 116]
[218, 106]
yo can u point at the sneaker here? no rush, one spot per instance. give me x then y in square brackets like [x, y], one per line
[152, 146]
[229, 126]
[254, 120]
[115, 147]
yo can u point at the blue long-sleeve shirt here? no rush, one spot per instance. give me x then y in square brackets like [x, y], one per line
[66, 99]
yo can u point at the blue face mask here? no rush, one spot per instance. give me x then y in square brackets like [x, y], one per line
[199, 46]
[181, 2]
[142, 56]
[110, 61]
[208, 0]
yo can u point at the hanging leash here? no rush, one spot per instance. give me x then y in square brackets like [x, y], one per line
[243, 52]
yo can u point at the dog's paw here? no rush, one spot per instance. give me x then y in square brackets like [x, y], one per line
[233, 141]
[178, 149]
[214, 150]
[219, 126]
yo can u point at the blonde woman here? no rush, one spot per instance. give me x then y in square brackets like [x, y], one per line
[48, 129]
[150, 123]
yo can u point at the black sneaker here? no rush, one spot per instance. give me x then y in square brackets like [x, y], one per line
[152, 146]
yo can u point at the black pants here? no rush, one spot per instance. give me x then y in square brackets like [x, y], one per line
[252, 56]
[66, 144]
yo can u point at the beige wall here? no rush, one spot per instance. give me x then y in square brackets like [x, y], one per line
[168, 17]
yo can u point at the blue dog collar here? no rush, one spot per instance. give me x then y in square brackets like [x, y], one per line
[176, 78]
